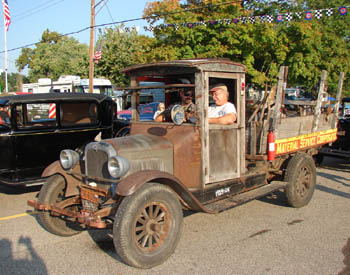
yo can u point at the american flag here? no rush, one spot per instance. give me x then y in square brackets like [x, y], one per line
[6, 14]
[98, 54]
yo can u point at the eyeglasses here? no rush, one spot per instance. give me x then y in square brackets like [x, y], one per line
[188, 94]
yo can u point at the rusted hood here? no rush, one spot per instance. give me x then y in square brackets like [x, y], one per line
[139, 143]
[145, 152]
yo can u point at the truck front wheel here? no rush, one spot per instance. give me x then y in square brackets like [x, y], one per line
[53, 191]
[301, 178]
[147, 226]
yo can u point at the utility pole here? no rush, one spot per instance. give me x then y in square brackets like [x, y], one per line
[91, 55]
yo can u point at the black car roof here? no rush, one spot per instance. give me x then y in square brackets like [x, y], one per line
[44, 97]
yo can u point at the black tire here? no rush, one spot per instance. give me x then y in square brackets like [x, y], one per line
[145, 241]
[318, 158]
[53, 191]
[301, 178]
[123, 132]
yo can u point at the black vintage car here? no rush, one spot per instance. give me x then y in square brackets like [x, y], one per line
[34, 128]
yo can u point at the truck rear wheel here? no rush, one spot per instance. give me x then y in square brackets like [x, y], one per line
[147, 226]
[301, 178]
[53, 191]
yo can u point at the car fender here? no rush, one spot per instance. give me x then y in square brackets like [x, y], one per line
[133, 182]
[72, 181]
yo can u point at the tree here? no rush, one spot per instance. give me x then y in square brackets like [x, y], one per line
[13, 81]
[307, 47]
[121, 49]
[54, 55]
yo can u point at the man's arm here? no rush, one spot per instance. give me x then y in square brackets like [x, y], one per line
[225, 120]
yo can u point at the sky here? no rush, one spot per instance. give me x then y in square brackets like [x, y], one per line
[30, 18]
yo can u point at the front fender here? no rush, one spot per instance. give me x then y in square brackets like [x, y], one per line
[72, 181]
[133, 182]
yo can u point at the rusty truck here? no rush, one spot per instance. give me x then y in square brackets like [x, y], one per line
[139, 185]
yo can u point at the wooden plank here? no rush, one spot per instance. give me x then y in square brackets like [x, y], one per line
[202, 102]
[278, 101]
[156, 87]
[319, 101]
[338, 98]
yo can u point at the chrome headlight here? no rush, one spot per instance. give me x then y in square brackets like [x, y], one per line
[118, 166]
[68, 158]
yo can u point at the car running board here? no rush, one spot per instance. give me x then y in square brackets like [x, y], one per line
[233, 201]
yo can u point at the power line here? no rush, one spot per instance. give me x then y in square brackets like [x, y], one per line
[210, 6]
[34, 10]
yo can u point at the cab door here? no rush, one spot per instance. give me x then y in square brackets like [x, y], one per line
[223, 146]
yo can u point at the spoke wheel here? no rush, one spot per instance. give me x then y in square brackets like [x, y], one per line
[152, 227]
[301, 178]
[147, 226]
[53, 191]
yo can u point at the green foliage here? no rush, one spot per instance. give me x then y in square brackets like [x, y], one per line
[54, 56]
[306, 47]
[13, 81]
[121, 49]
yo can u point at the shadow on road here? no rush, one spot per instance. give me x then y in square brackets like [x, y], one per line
[31, 264]
[15, 190]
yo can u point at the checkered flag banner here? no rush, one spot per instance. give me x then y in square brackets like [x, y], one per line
[329, 12]
[279, 18]
[252, 19]
[269, 18]
[288, 16]
[297, 15]
[318, 14]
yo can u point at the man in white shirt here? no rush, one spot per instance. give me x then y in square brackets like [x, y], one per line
[223, 112]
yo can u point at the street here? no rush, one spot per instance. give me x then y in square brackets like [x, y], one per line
[261, 237]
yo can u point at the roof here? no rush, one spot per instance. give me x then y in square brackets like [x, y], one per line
[185, 66]
[44, 97]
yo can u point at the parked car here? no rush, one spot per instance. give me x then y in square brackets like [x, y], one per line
[36, 127]
[146, 111]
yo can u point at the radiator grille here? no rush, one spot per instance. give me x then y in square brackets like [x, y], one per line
[96, 163]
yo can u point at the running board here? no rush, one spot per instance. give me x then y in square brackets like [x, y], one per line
[230, 202]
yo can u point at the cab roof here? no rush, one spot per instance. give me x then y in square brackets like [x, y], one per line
[45, 97]
[185, 66]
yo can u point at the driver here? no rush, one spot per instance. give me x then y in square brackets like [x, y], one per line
[186, 103]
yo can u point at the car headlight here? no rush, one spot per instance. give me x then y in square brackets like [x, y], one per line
[118, 166]
[69, 158]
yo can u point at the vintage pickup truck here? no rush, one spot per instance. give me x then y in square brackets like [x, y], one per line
[139, 184]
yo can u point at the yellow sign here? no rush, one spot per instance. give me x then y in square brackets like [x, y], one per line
[292, 144]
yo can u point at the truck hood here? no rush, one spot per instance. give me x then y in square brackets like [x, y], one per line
[145, 152]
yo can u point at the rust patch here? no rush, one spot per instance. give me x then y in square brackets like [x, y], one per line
[346, 261]
[259, 233]
[295, 222]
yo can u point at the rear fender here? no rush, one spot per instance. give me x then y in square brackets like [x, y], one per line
[72, 181]
[132, 183]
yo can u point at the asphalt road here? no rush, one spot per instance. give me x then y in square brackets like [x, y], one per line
[261, 237]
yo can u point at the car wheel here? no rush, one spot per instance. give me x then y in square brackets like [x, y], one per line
[53, 191]
[125, 131]
[147, 226]
[301, 178]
